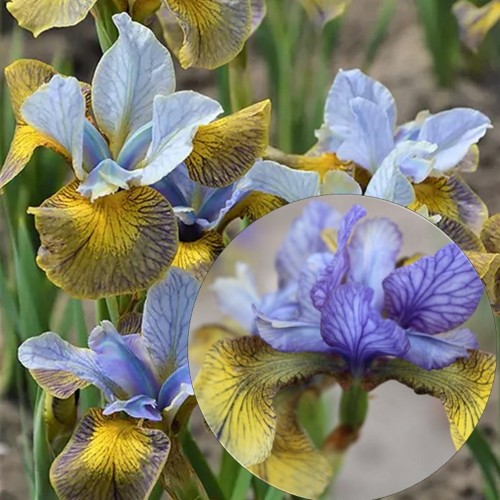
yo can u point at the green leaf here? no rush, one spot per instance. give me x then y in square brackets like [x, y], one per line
[242, 485]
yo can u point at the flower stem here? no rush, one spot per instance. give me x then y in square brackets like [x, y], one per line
[240, 88]
[107, 33]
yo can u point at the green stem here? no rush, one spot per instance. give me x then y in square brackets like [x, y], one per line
[240, 87]
[107, 33]
[101, 310]
[113, 309]
[353, 406]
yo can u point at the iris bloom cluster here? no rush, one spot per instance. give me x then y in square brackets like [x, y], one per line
[204, 33]
[345, 307]
[110, 231]
[361, 149]
[123, 449]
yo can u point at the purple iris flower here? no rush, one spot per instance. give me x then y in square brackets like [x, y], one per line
[141, 374]
[357, 304]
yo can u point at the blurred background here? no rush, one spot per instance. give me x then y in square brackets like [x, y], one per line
[412, 46]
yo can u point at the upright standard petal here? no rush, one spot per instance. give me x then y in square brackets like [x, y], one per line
[236, 387]
[128, 77]
[57, 109]
[119, 244]
[304, 239]
[454, 132]
[165, 326]
[61, 368]
[176, 119]
[237, 296]
[373, 251]
[435, 294]
[214, 30]
[463, 387]
[109, 457]
[355, 330]
[226, 149]
[370, 139]
[175, 390]
[346, 86]
[40, 15]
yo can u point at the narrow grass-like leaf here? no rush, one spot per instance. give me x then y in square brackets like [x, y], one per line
[228, 473]
[242, 485]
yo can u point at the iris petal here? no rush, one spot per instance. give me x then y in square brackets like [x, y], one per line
[435, 294]
[175, 390]
[139, 406]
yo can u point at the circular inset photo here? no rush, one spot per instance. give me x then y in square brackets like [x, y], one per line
[339, 338]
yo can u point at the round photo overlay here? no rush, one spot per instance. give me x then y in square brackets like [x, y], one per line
[339, 338]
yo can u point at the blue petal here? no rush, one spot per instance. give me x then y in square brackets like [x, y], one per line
[371, 137]
[432, 352]
[49, 352]
[373, 250]
[175, 390]
[454, 131]
[356, 331]
[137, 407]
[435, 294]
[95, 148]
[237, 296]
[165, 324]
[177, 187]
[347, 86]
[213, 201]
[136, 147]
[287, 183]
[304, 239]
[337, 269]
[119, 362]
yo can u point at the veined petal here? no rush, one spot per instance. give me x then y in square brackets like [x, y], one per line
[259, 10]
[287, 183]
[487, 266]
[175, 390]
[294, 465]
[57, 109]
[225, 149]
[109, 457]
[336, 270]
[61, 369]
[452, 197]
[434, 294]
[40, 15]
[371, 136]
[119, 244]
[236, 387]
[165, 324]
[323, 11]
[176, 118]
[440, 350]
[139, 406]
[475, 22]
[106, 178]
[346, 86]
[120, 363]
[373, 251]
[490, 234]
[236, 296]
[130, 323]
[128, 77]
[454, 132]
[304, 239]
[197, 256]
[355, 330]
[462, 235]
[463, 387]
[214, 30]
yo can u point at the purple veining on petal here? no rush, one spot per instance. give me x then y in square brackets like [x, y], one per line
[139, 406]
[435, 294]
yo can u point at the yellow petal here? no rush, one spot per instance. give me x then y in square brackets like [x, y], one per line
[323, 11]
[225, 149]
[236, 386]
[294, 465]
[121, 243]
[179, 478]
[58, 383]
[60, 418]
[461, 234]
[463, 387]
[214, 30]
[40, 15]
[252, 207]
[171, 29]
[109, 457]
[197, 256]
[143, 9]
[452, 197]
[475, 22]
[487, 266]
[130, 323]
[490, 234]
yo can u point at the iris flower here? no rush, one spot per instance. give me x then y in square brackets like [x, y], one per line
[343, 308]
[122, 450]
[109, 232]
[475, 22]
